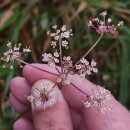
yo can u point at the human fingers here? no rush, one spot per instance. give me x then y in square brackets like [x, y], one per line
[17, 106]
[32, 74]
[75, 98]
[23, 124]
[20, 89]
[49, 108]
[112, 115]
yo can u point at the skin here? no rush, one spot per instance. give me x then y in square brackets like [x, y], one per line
[68, 112]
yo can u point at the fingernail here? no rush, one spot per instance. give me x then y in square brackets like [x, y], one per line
[44, 94]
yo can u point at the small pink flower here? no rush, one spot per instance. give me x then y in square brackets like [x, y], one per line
[103, 13]
[63, 28]
[87, 104]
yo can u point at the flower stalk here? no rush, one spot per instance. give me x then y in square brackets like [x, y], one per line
[93, 46]
[37, 67]
[60, 51]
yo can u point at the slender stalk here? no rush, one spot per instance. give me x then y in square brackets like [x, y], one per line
[87, 52]
[60, 50]
[79, 89]
[57, 70]
[24, 113]
[36, 67]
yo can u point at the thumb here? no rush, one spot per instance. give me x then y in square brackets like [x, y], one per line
[49, 108]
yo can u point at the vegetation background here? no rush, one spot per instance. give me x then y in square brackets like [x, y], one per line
[27, 21]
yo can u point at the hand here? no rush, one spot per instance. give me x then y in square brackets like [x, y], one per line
[67, 112]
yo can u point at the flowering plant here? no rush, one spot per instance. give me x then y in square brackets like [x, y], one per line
[67, 69]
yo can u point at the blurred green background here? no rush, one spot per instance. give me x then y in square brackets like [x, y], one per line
[27, 21]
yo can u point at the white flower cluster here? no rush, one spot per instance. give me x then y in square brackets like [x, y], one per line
[67, 63]
[13, 54]
[41, 97]
[85, 68]
[65, 79]
[60, 34]
[50, 59]
[97, 100]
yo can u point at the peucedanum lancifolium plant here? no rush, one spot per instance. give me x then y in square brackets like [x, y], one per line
[83, 67]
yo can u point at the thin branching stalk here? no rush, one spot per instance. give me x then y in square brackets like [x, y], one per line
[79, 89]
[60, 50]
[36, 67]
[58, 70]
[87, 52]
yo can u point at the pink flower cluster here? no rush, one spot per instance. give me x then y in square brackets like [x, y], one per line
[98, 101]
[65, 79]
[85, 68]
[67, 63]
[50, 59]
[41, 96]
[13, 54]
[103, 26]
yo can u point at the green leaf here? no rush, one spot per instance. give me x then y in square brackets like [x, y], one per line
[124, 71]
[113, 66]
[20, 23]
[3, 71]
[44, 21]
[11, 20]
[8, 79]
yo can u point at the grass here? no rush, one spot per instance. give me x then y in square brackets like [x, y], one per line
[27, 21]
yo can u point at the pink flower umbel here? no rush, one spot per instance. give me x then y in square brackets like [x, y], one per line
[98, 100]
[103, 26]
[41, 96]
[85, 68]
[13, 54]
